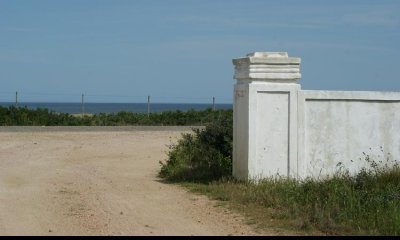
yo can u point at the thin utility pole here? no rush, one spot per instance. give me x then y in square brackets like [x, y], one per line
[148, 106]
[213, 103]
[16, 99]
[82, 105]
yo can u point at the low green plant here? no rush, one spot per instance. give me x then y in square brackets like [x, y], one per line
[203, 156]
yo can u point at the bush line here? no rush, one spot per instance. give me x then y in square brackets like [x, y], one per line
[22, 116]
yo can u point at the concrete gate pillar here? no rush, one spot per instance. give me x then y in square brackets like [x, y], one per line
[265, 115]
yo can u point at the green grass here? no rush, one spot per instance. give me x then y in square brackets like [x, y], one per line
[365, 204]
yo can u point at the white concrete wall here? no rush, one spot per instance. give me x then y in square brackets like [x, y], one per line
[282, 130]
[345, 127]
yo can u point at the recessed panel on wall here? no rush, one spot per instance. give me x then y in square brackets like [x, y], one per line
[272, 134]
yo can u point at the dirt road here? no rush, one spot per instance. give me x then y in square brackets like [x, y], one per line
[99, 183]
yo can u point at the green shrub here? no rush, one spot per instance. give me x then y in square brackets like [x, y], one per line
[203, 156]
[22, 116]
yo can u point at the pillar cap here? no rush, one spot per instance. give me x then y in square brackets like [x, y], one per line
[268, 66]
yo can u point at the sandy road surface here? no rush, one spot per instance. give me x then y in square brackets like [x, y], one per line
[99, 183]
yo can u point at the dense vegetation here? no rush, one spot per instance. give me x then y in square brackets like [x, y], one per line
[204, 156]
[22, 116]
[365, 203]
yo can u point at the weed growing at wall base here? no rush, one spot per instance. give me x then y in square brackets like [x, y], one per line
[367, 203]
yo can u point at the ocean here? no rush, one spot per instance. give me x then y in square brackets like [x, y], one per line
[74, 108]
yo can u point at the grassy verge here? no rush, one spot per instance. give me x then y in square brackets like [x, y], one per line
[365, 204]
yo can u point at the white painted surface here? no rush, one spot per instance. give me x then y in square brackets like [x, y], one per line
[265, 117]
[267, 66]
[345, 127]
[272, 153]
[280, 129]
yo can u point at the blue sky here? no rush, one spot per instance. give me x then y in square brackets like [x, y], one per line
[181, 51]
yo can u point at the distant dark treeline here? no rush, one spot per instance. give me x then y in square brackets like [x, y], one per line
[22, 116]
